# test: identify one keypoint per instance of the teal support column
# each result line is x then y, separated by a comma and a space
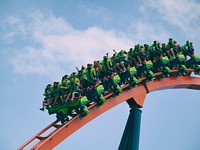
131, 135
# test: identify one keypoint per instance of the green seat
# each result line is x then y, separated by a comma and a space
165, 60
149, 64
181, 58
100, 89
197, 58
83, 101
132, 71
116, 79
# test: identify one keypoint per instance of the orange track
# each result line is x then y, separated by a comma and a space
132, 96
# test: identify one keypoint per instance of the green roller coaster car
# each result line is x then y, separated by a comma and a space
65, 109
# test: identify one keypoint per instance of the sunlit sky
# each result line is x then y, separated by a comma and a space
41, 41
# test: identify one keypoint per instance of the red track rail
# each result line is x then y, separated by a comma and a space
135, 95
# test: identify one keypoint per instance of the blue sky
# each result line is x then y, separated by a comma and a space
43, 40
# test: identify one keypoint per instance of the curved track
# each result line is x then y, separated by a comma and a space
134, 97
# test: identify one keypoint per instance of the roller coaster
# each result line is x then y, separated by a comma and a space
132, 86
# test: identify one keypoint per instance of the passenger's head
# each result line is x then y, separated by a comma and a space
163, 45
105, 57
73, 74
89, 66
82, 67
64, 81
80, 72
72, 79
136, 46
55, 83
100, 67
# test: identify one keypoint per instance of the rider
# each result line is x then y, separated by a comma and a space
170, 51
106, 64
73, 88
188, 49
63, 89
48, 99
131, 57
90, 75
55, 92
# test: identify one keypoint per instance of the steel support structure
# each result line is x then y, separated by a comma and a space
131, 135
135, 97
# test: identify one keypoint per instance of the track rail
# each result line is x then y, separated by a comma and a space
132, 96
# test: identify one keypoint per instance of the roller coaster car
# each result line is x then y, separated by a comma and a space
63, 111
194, 63
162, 65
179, 63
145, 70
129, 77
96, 95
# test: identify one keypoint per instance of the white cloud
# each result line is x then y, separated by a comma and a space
184, 14
61, 47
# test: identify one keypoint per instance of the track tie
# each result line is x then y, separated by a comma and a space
42, 137
58, 125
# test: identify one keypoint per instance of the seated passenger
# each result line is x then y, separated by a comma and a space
136, 58
141, 52
63, 90
170, 51
189, 50
55, 93
147, 51
156, 50
106, 64
103, 74
82, 82
73, 88
47, 100
96, 65
164, 49
122, 61
131, 57
90, 74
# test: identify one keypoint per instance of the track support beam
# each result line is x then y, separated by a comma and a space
131, 135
